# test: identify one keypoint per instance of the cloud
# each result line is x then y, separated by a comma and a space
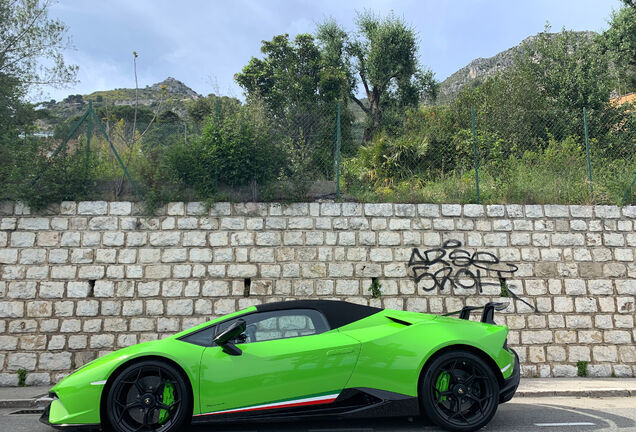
197, 39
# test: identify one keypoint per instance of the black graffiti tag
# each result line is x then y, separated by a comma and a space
450, 256
469, 267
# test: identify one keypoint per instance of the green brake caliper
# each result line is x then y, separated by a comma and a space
443, 380
168, 399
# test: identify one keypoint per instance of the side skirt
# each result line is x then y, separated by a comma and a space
350, 403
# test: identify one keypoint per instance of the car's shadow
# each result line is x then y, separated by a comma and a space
511, 416
376, 424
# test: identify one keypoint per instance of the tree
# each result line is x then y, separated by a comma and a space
300, 86
554, 76
383, 59
541, 97
293, 76
203, 107
114, 113
568, 68
10, 104
32, 45
31, 48
619, 42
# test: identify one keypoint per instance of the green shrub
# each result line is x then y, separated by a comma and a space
238, 150
297, 174
376, 288
29, 174
22, 376
387, 159
243, 148
581, 368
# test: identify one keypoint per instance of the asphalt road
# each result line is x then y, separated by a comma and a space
521, 414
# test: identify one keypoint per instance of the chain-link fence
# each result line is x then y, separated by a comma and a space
250, 152
465, 154
548, 156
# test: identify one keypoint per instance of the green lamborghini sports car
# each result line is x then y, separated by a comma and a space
310, 359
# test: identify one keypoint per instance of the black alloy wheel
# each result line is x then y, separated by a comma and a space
459, 391
148, 396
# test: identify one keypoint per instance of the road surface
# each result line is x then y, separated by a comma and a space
521, 414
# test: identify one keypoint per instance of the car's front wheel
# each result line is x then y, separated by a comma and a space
148, 396
459, 391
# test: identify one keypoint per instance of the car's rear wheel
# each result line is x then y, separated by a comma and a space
459, 391
148, 396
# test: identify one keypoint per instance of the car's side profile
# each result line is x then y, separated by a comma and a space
306, 358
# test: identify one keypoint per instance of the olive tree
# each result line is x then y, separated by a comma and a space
381, 57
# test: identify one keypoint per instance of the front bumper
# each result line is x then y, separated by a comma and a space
507, 391
44, 418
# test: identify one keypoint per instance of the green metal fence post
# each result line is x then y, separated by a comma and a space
587, 150
63, 144
70, 134
338, 142
472, 113
217, 119
89, 127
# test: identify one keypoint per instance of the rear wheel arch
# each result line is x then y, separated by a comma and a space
466, 398
102, 403
461, 347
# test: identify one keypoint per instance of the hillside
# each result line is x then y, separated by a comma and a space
475, 72
175, 97
177, 93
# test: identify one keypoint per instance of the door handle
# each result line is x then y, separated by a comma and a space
340, 351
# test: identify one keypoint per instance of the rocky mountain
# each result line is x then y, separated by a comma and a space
171, 93
476, 72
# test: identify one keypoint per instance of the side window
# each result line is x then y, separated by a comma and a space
265, 326
203, 337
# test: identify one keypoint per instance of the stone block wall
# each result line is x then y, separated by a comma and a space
85, 278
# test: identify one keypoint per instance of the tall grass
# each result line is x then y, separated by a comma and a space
556, 175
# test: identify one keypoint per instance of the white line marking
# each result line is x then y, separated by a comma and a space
98, 382
506, 368
565, 424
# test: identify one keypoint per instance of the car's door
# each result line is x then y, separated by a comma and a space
290, 358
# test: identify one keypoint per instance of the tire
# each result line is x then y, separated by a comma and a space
148, 396
459, 391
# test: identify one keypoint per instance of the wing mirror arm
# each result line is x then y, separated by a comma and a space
231, 349
232, 332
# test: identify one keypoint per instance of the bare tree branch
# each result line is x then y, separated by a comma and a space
360, 104
134, 138
27, 28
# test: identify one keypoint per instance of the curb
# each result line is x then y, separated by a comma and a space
37, 402
21, 403
600, 393
597, 393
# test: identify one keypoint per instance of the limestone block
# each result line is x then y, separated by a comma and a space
242, 270
165, 238
55, 361
92, 208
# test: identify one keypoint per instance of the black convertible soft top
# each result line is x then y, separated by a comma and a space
338, 313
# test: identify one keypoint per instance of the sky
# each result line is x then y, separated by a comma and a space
204, 43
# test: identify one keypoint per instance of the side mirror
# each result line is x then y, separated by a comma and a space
232, 332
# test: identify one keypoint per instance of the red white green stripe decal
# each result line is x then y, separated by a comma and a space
311, 400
